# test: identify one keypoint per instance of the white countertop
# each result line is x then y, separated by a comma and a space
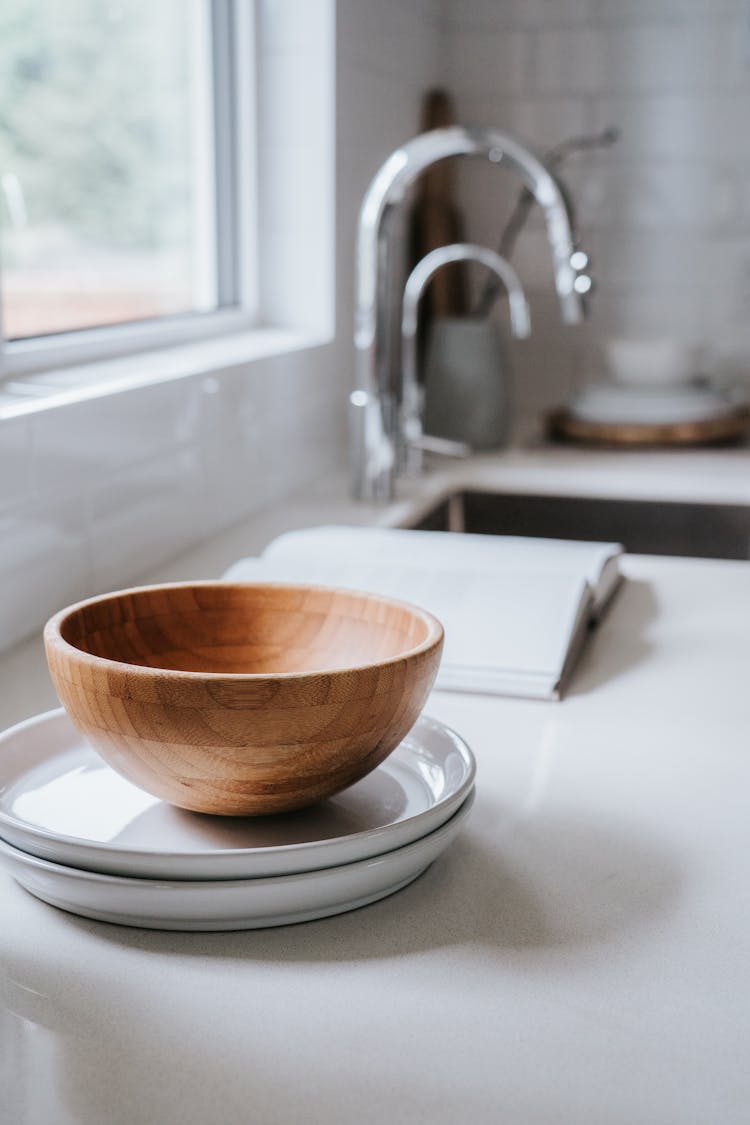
578, 955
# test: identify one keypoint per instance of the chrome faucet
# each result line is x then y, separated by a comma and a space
375, 401
412, 439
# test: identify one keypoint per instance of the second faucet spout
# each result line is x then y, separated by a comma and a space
376, 398
411, 435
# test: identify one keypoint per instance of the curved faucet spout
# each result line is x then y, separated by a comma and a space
375, 401
410, 434
520, 320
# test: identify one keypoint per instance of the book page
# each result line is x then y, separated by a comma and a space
470, 553
500, 631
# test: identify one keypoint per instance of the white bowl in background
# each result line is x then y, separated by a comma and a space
615, 404
642, 360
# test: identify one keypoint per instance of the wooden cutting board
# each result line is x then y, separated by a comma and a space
436, 218
731, 427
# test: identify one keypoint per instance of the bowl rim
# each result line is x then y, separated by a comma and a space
53, 637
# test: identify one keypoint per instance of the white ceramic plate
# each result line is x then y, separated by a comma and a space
609, 403
229, 904
61, 802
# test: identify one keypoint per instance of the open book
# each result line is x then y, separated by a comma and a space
516, 611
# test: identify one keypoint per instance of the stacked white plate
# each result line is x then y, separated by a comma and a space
77, 835
621, 404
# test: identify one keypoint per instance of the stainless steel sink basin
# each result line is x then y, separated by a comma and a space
707, 531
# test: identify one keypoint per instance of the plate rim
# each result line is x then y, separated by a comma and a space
206, 886
278, 852
337, 893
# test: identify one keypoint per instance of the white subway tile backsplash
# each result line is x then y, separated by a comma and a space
647, 11
570, 61
676, 126
649, 311
110, 509
664, 258
732, 52
235, 477
482, 109
656, 57
727, 353
727, 270
741, 185
483, 62
546, 121
489, 15
15, 462
44, 566
378, 115
657, 194
545, 368
76, 444
471, 15
681, 55
145, 515
394, 39
253, 439
564, 12
666, 211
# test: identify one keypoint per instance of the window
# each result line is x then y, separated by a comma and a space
120, 175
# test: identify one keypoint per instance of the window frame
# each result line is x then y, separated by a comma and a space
231, 25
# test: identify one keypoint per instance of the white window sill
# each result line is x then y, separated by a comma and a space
30, 394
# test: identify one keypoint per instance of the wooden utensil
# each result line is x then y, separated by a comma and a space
437, 219
243, 699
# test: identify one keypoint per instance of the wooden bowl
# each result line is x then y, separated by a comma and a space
243, 699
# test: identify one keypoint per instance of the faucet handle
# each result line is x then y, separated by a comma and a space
582, 282
442, 446
412, 450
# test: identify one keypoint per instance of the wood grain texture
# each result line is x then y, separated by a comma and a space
732, 427
436, 218
243, 699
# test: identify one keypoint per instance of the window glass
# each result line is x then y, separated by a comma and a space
106, 163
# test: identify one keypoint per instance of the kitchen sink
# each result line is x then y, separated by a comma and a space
706, 531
